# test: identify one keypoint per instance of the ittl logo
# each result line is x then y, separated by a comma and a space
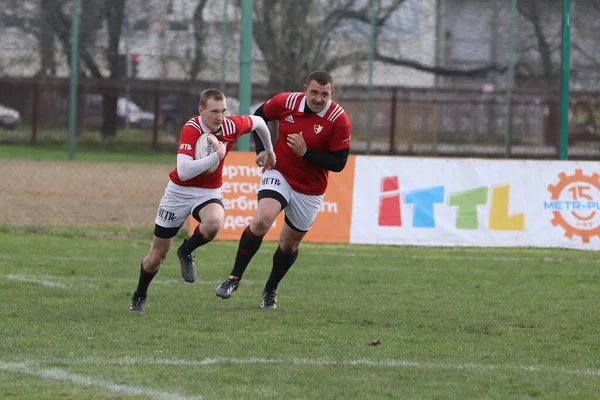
465, 203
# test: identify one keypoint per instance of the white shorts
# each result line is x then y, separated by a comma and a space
178, 202
301, 209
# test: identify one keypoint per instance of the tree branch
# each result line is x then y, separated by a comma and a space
442, 71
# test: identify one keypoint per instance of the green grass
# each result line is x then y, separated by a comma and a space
455, 323
130, 145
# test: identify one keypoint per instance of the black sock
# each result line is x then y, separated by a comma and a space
249, 245
282, 262
193, 242
144, 281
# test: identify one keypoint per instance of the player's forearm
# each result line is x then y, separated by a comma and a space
334, 161
188, 168
258, 144
262, 131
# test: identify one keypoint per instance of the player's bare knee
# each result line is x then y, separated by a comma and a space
288, 246
156, 258
210, 228
260, 226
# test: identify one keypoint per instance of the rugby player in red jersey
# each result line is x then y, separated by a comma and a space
314, 138
192, 191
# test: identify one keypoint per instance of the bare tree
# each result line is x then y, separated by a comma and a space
93, 16
296, 37
199, 39
113, 13
29, 17
46, 39
584, 43
539, 61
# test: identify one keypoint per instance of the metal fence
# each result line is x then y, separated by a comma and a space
406, 121
419, 77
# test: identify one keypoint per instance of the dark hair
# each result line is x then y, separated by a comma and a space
321, 77
210, 94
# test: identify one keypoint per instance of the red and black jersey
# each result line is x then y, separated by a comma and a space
325, 132
231, 129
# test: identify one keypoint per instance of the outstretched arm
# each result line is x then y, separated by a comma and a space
267, 158
258, 144
261, 131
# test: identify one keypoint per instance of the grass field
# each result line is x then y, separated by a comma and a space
453, 323
130, 145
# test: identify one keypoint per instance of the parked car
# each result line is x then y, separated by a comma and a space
9, 117
132, 115
129, 114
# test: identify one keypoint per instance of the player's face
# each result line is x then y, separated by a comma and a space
317, 95
213, 114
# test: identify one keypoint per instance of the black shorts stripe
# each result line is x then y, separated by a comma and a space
165, 233
272, 194
287, 221
196, 211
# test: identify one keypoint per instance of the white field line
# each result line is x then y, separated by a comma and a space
62, 375
63, 258
509, 259
68, 282
39, 281
450, 257
324, 363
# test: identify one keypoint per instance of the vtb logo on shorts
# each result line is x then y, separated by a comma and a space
271, 181
185, 146
166, 215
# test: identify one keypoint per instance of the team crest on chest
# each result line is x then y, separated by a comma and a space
318, 129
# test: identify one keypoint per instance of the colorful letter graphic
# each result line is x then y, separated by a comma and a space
499, 218
423, 200
467, 202
389, 202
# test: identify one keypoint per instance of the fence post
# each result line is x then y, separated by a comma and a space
35, 108
156, 117
393, 123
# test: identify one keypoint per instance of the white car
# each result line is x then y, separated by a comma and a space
133, 115
9, 117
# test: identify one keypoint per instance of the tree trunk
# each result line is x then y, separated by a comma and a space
46, 40
109, 114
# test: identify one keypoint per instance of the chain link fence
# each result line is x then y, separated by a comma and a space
435, 71
417, 77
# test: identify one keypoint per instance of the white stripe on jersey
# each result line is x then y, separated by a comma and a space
337, 111
192, 122
290, 103
228, 127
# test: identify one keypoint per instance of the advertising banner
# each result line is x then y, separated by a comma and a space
476, 202
241, 180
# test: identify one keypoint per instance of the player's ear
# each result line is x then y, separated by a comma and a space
200, 109
305, 88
